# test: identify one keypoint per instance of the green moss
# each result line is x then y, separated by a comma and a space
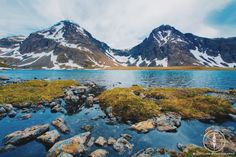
33, 91
127, 105
188, 102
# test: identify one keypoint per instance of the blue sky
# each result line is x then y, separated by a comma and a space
120, 23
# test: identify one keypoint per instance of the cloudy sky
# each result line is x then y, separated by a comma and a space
120, 23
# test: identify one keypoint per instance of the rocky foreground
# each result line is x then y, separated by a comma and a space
142, 109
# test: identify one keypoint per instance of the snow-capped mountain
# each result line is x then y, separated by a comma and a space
167, 46
64, 45
67, 45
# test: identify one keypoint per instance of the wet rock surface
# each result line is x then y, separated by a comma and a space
74, 146
101, 141
168, 122
49, 138
24, 136
99, 153
122, 144
60, 124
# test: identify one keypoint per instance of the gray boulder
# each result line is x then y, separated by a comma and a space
49, 138
26, 135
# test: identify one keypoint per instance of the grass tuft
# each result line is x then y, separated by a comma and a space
33, 91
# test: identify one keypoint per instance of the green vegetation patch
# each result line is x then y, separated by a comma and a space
127, 105
137, 103
33, 91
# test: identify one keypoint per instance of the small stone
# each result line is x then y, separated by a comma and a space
89, 101
121, 144
55, 108
162, 151
180, 146
26, 116
52, 104
99, 153
144, 126
111, 141
126, 136
91, 142
101, 141
60, 124
8, 107
87, 128
4, 78
2, 110
7, 148
12, 114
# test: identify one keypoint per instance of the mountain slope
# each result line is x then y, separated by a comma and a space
64, 45
167, 46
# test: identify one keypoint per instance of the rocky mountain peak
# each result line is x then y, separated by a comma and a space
166, 34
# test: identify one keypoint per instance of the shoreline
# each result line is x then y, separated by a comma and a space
195, 68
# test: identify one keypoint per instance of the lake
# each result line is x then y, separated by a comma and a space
190, 131
167, 78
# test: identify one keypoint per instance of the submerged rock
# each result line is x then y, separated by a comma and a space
21, 137
122, 144
26, 116
87, 128
74, 146
144, 126
7, 148
60, 124
99, 153
126, 136
49, 138
101, 141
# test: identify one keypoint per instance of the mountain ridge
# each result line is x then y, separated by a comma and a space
66, 45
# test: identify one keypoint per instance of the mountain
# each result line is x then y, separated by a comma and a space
167, 46
67, 45
64, 45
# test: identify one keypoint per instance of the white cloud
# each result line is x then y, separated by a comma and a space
120, 23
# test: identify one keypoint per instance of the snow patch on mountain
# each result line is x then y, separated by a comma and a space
163, 62
211, 61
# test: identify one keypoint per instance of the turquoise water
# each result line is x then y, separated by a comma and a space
189, 131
